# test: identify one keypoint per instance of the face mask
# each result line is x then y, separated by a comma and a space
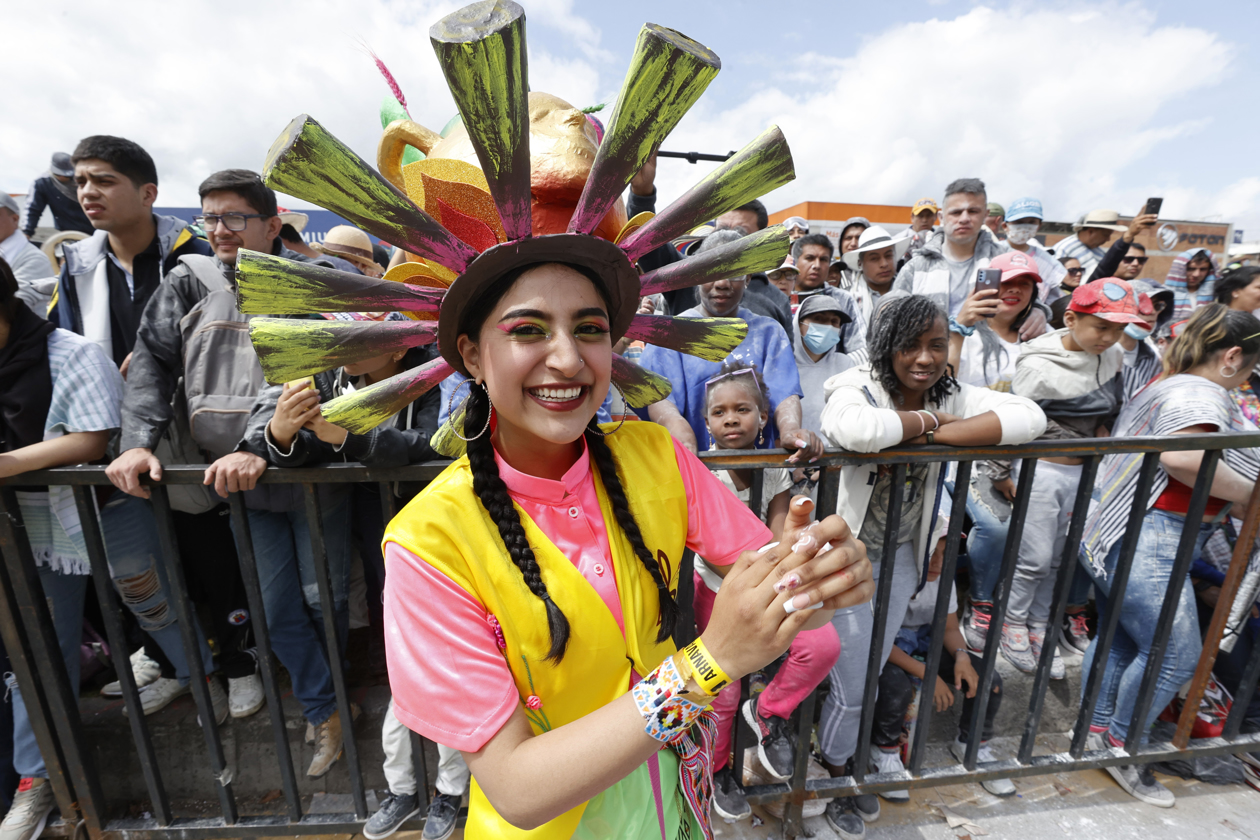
820, 338
1020, 234
1136, 332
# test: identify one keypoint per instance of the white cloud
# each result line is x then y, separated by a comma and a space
209, 86
1052, 103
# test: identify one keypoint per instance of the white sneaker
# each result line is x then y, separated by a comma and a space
1037, 638
889, 761
218, 701
997, 787
32, 803
143, 669
158, 694
245, 695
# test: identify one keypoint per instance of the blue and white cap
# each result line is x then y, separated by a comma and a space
1024, 208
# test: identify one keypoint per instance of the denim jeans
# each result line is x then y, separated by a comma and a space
986, 539
65, 601
295, 619
131, 545
1139, 615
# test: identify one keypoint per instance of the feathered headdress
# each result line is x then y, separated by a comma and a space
470, 226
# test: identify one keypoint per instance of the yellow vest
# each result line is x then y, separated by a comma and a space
448, 528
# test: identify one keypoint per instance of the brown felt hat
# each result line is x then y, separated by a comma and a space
604, 259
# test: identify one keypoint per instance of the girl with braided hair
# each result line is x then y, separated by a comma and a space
530, 601
904, 395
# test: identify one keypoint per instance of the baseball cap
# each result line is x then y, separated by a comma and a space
8, 202
1105, 219
1111, 299
815, 304
996, 209
1025, 208
61, 165
1015, 264
924, 205
796, 222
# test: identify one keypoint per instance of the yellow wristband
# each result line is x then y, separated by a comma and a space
704, 668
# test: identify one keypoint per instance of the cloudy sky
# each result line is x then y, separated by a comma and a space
1083, 104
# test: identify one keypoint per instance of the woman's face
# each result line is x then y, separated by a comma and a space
733, 415
923, 364
545, 356
1014, 296
1247, 299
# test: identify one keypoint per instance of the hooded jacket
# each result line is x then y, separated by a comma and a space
814, 375
62, 199
1186, 301
80, 302
1076, 390
927, 272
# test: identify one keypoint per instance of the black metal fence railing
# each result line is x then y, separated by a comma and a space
27, 631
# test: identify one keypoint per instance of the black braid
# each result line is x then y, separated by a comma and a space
494, 497
603, 456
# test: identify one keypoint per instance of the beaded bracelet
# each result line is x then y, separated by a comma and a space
658, 696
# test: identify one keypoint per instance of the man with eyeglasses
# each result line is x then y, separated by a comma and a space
1126, 257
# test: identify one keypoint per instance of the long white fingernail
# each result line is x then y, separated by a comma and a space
790, 607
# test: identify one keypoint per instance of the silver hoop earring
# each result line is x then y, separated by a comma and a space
1233, 372
451, 415
594, 427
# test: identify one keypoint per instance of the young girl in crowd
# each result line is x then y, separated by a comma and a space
983, 346
737, 408
905, 394
957, 672
530, 594
1214, 354
60, 400
298, 435
1074, 374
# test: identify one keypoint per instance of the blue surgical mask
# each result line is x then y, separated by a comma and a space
1136, 332
820, 338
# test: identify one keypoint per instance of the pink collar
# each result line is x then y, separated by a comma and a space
544, 490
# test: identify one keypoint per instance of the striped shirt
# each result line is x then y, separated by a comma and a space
1078, 250
1162, 408
87, 392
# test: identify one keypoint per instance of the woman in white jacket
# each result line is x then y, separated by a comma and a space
906, 394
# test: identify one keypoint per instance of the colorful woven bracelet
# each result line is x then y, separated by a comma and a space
704, 667
668, 715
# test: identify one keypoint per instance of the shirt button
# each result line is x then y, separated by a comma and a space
599, 569
574, 513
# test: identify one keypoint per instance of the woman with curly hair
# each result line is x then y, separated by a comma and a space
904, 395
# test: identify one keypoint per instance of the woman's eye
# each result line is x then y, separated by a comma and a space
592, 329
527, 330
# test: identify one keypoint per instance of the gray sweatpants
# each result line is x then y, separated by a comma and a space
842, 710
1041, 549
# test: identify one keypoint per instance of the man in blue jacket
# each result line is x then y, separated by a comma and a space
55, 190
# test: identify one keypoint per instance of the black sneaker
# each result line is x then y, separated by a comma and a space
841, 815
775, 746
439, 823
865, 805
394, 811
728, 797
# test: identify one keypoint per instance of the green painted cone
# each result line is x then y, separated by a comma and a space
269, 285
289, 348
758, 168
667, 74
761, 251
309, 163
640, 386
363, 410
481, 49
445, 441
711, 339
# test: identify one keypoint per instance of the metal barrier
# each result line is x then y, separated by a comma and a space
27, 631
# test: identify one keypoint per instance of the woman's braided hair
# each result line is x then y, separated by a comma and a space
896, 328
493, 494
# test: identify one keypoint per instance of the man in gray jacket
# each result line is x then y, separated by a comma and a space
239, 211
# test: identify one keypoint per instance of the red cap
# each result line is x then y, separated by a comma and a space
1016, 264
1111, 299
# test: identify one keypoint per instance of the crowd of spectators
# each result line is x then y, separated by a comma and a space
132, 356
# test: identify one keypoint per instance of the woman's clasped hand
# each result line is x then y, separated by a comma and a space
766, 596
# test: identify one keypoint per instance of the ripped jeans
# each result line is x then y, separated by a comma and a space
131, 546
295, 619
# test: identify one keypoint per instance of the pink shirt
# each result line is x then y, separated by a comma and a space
449, 678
